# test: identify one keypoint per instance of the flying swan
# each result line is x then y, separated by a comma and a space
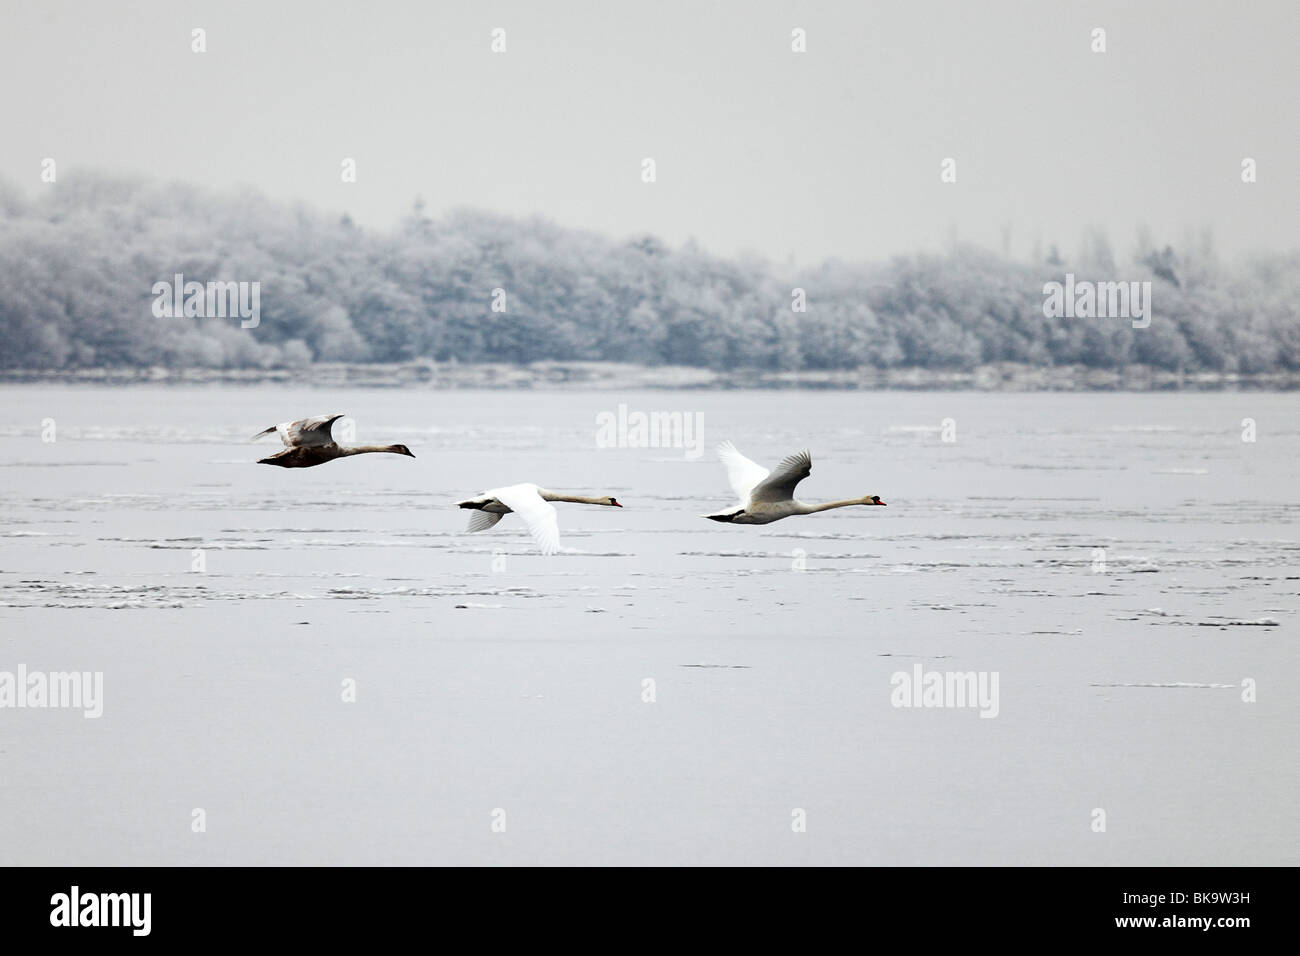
531, 503
308, 442
767, 496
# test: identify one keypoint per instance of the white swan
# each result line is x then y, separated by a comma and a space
531, 503
767, 496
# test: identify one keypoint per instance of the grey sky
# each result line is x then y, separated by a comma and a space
834, 152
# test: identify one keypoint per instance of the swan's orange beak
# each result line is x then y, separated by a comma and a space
875, 500
615, 503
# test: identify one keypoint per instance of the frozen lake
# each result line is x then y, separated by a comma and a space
1122, 562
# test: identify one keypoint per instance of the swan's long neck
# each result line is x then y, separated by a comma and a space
827, 506
576, 499
372, 449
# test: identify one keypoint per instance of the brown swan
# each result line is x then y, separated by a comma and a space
309, 442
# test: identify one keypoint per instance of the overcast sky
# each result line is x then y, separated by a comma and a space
832, 152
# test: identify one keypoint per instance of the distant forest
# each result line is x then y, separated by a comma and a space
78, 265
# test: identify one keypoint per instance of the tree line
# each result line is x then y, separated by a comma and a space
77, 268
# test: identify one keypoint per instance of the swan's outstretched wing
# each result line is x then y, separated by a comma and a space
780, 484
743, 474
538, 514
304, 433
482, 520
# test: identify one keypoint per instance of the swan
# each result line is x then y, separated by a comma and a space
308, 442
767, 496
531, 503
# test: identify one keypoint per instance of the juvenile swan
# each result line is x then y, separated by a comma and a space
531, 503
308, 442
767, 496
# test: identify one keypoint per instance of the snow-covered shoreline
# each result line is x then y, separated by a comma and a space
1008, 377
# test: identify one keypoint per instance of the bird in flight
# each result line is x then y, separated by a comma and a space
309, 442
531, 503
767, 496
